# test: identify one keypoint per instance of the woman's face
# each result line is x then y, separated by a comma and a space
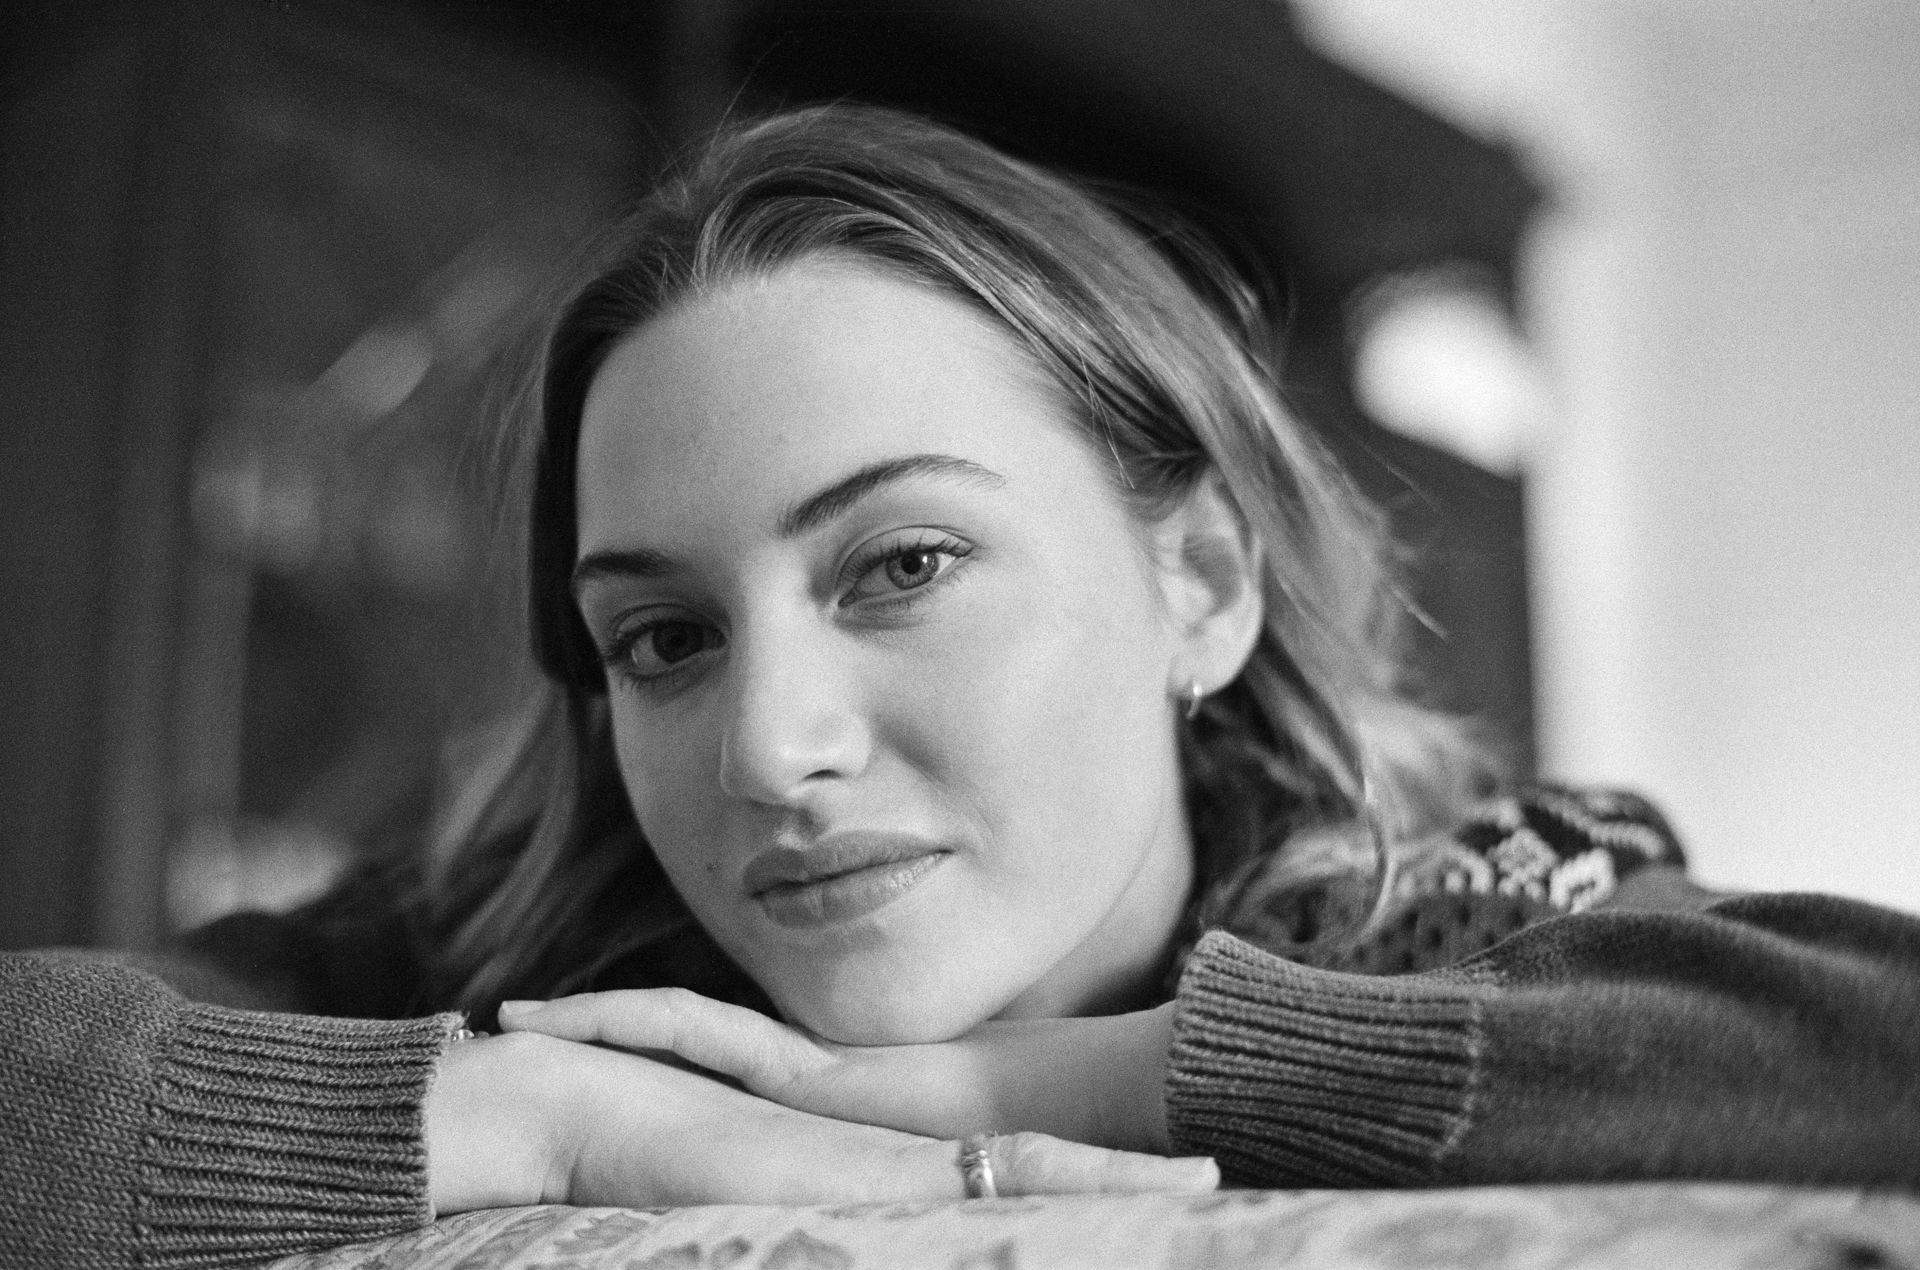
889, 662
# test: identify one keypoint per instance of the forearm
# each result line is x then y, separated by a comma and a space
1768, 1038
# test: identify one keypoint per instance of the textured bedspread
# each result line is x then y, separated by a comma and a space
1698, 1227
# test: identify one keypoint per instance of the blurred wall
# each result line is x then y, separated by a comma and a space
1725, 507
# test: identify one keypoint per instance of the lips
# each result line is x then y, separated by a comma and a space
841, 877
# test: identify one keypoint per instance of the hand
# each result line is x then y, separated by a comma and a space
1095, 1080
525, 1119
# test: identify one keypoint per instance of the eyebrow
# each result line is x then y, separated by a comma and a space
808, 514
838, 498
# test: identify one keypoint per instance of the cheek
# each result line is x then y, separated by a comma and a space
674, 792
1051, 723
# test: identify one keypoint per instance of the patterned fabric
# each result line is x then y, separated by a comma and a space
1591, 1226
1539, 852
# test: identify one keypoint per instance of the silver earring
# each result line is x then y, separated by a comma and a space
1194, 695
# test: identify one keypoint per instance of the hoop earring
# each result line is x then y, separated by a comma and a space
1193, 696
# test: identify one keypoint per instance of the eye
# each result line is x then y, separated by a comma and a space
901, 563
651, 649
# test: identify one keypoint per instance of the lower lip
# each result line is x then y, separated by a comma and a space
846, 896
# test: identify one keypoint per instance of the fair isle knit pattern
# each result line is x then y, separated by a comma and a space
1539, 852
1545, 996
1351, 1080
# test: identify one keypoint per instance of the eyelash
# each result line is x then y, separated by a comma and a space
899, 546
618, 653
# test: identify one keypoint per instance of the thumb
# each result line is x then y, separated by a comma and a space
762, 1054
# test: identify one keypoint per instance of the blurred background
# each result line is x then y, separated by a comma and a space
1608, 302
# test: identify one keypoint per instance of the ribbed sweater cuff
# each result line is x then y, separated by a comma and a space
1291, 1076
269, 1134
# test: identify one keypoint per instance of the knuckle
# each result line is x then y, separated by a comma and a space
1120, 1167
679, 1011
679, 1005
1021, 1153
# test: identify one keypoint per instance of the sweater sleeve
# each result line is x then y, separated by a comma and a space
138, 1128
1767, 1038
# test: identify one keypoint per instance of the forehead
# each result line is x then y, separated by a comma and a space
768, 387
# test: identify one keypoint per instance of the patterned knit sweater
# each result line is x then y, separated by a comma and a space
1545, 997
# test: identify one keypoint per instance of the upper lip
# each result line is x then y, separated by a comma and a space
832, 856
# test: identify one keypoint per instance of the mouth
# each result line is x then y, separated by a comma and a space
841, 878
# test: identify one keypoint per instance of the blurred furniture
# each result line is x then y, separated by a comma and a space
1627, 1227
263, 270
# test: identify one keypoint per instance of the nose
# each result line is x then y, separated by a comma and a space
794, 722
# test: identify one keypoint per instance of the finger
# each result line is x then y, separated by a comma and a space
761, 1053
1024, 1164
1037, 1164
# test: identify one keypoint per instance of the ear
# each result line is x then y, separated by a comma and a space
1211, 583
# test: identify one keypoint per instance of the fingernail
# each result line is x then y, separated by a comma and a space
519, 1009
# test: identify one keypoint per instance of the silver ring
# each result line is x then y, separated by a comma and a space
976, 1166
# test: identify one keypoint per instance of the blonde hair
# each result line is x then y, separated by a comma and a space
1164, 353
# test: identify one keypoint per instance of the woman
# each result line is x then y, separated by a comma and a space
946, 625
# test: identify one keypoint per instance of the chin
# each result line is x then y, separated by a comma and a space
884, 1008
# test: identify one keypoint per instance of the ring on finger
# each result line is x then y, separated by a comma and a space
976, 1166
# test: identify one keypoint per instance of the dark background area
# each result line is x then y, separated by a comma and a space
258, 266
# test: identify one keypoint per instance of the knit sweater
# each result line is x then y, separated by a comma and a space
139, 1128
1546, 998
1550, 998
